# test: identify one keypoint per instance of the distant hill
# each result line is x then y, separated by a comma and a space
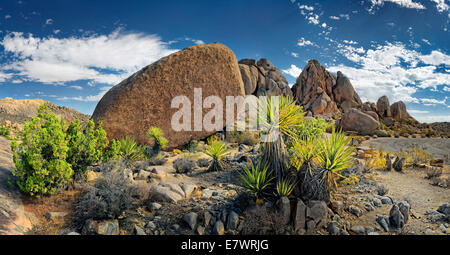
17, 111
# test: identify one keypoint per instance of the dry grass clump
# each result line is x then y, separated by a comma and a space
263, 221
246, 137
415, 155
433, 172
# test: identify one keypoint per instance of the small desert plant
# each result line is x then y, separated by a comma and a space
246, 137
377, 161
40, 157
335, 156
157, 136
107, 199
433, 172
131, 150
5, 131
312, 128
285, 187
158, 160
113, 151
217, 150
191, 146
305, 151
86, 145
257, 179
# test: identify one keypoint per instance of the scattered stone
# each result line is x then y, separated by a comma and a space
183, 165
318, 212
165, 193
435, 216
398, 216
445, 209
150, 225
382, 190
368, 207
388, 163
344, 233
200, 230
386, 200
398, 164
300, 215
233, 220
106, 227
333, 228
191, 219
52, 216
218, 229
337, 206
355, 211
207, 218
188, 189
360, 230
443, 228
73, 233
139, 231
154, 206
384, 222
284, 207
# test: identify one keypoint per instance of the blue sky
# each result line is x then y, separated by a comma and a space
71, 52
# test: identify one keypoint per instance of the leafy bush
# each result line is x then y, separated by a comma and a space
256, 180
217, 150
285, 187
86, 145
5, 131
335, 156
312, 128
113, 152
40, 157
157, 136
131, 150
191, 146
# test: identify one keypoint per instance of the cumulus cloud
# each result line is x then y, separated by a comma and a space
392, 70
433, 118
91, 98
441, 6
294, 54
97, 58
4, 76
303, 42
402, 3
48, 22
293, 71
413, 111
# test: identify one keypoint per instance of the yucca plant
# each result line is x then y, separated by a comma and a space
157, 136
279, 117
285, 187
217, 150
130, 149
305, 152
256, 179
334, 157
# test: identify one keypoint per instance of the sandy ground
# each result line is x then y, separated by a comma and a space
438, 147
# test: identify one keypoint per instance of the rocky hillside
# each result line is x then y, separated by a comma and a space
16, 112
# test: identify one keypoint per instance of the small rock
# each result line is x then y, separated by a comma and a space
154, 206
150, 225
333, 228
219, 228
360, 230
443, 228
337, 206
344, 233
368, 207
373, 233
233, 220
139, 231
207, 218
200, 230
73, 234
383, 222
52, 216
355, 211
284, 207
191, 219
386, 200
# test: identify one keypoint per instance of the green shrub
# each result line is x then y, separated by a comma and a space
191, 146
217, 150
113, 151
5, 131
312, 128
86, 145
257, 179
285, 187
40, 158
131, 150
157, 136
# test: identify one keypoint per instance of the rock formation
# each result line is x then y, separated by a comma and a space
144, 99
355, 120
399, 112
263, 77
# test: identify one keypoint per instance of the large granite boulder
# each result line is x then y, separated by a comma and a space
355, 120
263, 78
314, 81
144, 99
383, 107
345, 94
398, 110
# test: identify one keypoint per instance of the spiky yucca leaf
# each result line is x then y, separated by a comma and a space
285, 187
257, 179
335, 156
157, 135
217, 151
130, 149
305, 151
279, 118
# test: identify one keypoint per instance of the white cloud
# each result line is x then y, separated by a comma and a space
303, 42
48, 22
392, 70
8, 16
314, 19
293, 71
92, 98
294, 54
402, 3
426, 41
306, 7
412, 111
97, 58
335, 17
56, 31
344, 16
433, 118
4, 76
434, 101
77, 87
441, 6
